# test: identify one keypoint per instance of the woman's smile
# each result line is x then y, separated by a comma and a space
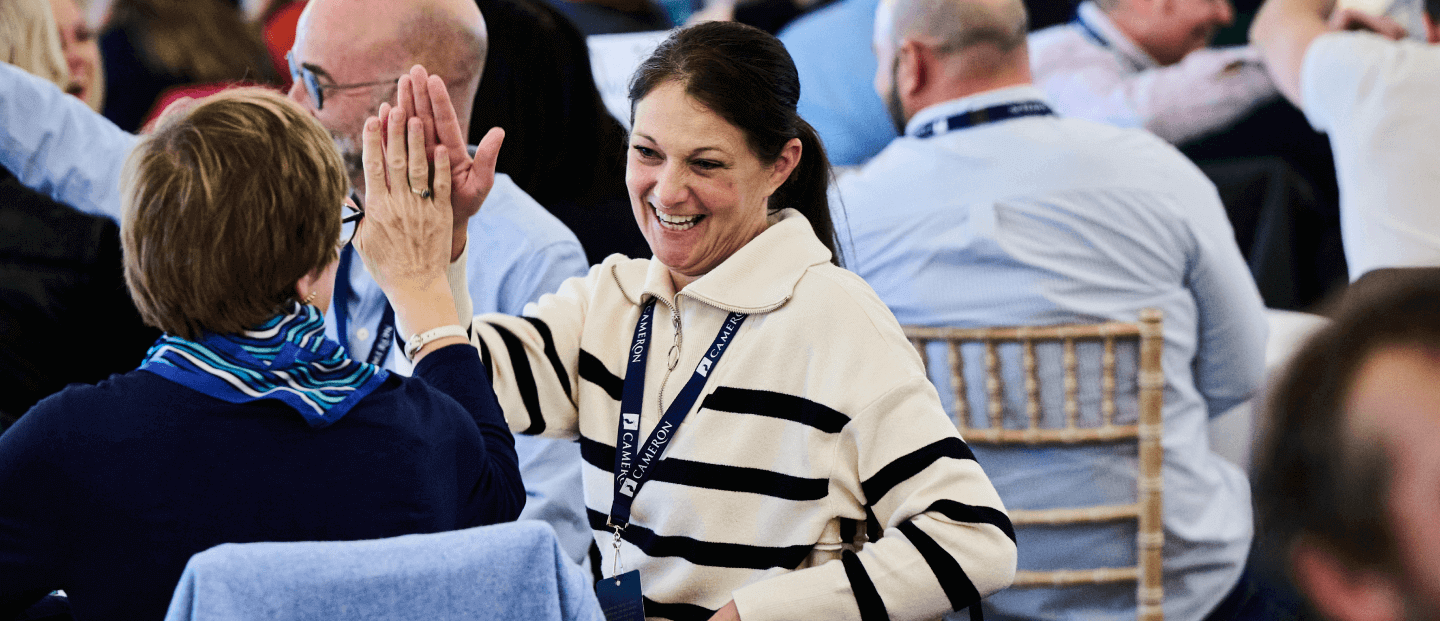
675, 222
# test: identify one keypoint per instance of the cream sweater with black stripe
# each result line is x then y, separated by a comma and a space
817, 426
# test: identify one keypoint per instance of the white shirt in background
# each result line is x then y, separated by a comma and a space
1046, 220
1090, 70
1377, 99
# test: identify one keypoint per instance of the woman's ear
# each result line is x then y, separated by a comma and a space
317, 286
785, 164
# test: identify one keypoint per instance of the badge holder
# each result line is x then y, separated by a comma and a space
619, 595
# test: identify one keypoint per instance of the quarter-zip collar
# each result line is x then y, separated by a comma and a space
760, 277
1114, 39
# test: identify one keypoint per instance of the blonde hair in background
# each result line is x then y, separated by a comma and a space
226, 206
30, 40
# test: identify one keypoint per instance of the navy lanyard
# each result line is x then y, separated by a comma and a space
1101, 41
993, 114
384, 333
634, 464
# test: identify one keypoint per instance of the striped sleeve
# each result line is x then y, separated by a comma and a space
946, 541
535, 361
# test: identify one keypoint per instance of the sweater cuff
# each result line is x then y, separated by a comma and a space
459, 282
820, 592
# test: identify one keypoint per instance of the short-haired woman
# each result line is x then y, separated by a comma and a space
244, 424
762, 441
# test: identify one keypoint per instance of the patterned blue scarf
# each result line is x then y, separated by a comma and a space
286, 358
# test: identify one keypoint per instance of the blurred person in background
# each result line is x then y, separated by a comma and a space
562, 146
990, 210
1149, 64
60, 279
1373, 91
150, 46
30, 40
1346, 473
832, 50
1144, 63
82, 51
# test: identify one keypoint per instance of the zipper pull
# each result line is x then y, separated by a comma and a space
674, 355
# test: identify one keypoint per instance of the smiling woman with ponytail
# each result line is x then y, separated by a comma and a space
761, 440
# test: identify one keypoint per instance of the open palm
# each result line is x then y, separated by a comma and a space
424, 96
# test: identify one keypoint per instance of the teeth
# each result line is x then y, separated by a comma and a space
676, 223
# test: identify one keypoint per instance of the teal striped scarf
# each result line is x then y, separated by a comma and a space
287, 358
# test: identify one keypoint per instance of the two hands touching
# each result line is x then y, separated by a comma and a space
414, 228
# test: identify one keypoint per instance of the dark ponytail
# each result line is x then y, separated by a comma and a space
746, 76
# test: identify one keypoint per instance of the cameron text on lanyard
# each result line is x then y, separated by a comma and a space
634, 463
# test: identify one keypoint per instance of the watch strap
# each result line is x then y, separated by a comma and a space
418, 341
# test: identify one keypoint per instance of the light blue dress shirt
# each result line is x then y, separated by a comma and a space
832, 51
518, 251
1043, 220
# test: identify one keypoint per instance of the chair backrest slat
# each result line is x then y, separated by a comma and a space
1032, 383
994, 388
1147, 431
957, 385
1072, 385
1107, 383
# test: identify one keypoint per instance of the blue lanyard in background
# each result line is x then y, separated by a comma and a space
634, 464
384, 333
975, 118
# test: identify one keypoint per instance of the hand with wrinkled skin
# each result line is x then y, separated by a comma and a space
404, 239
424, 97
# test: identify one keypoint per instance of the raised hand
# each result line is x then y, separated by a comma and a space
424, 97
405, 238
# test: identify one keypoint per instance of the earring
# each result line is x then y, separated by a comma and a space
309, 298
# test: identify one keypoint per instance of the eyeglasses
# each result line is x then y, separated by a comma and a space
301, 74
349, 221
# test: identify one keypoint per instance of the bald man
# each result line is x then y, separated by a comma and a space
992, 210
519, 252
1144, 63
347, 57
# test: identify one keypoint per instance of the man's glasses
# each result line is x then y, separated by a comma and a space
350, 216
301, 74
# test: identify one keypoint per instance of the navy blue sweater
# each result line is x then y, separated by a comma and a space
107, 490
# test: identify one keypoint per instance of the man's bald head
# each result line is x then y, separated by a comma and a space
957, 25
930, 51
360, 41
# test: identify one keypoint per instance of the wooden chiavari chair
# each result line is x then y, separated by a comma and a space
1146, 573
